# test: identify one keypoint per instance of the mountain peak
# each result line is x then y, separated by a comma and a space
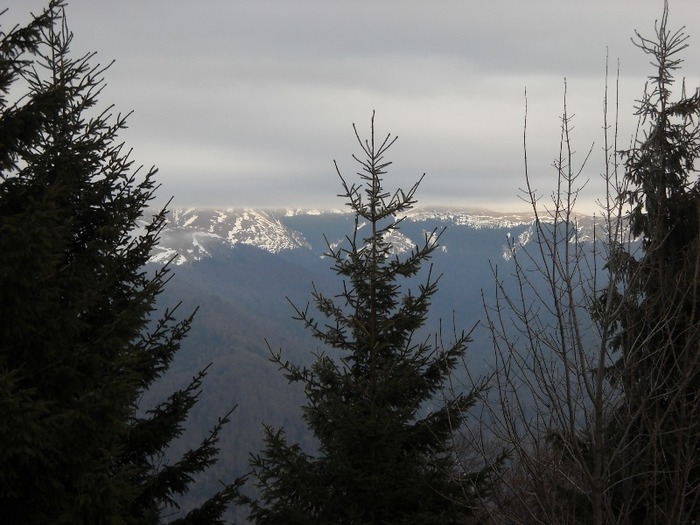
196, 233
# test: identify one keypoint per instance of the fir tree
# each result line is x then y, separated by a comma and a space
79, 340
658, 331
384, 433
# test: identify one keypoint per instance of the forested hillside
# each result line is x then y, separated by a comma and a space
241, 291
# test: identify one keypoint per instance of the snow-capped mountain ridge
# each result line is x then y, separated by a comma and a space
196, 233
475, 218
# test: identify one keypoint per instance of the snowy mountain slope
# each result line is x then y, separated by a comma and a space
194, 234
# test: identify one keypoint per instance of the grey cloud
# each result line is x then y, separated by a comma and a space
252, 100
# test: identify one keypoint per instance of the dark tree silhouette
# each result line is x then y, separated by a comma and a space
373, 400
79, 338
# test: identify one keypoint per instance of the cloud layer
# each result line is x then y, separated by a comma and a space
247, 103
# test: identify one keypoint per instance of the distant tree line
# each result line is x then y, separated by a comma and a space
591, 415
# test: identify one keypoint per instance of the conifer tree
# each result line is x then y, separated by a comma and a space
658, 332
80, 340
373, 397
597, 387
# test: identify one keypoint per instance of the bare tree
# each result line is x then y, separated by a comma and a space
595, 329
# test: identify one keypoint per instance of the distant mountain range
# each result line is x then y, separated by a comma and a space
243, 267
196, 233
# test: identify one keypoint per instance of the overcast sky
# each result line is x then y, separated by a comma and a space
247, 103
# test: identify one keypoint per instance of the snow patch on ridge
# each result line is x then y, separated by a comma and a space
196, 233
